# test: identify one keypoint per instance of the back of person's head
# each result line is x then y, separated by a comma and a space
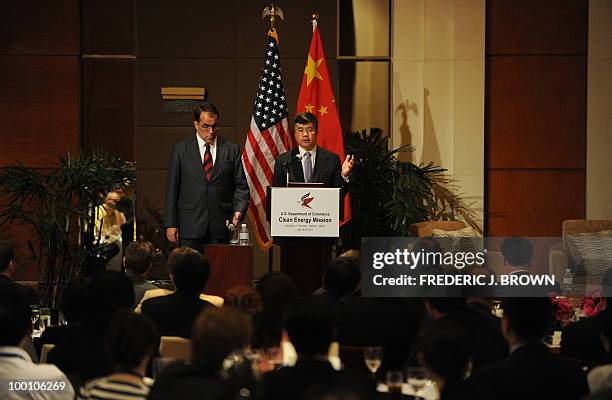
107, 292
71, 300
191, 272
431, 250
527, 317
277, 290
517, 251
139, 256
15, 314
176, 255
310, 323
341, 276
130, 339
244, 298
7, 254
216, 333
443, 350
446, 305
344, 385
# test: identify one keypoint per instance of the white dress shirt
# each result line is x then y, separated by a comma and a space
313, 156
202, 147
17, 366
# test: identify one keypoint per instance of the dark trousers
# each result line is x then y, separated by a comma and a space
199, 243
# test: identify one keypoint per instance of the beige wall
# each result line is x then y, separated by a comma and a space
438, 87
599, 111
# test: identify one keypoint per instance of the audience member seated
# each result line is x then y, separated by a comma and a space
581, 340
341, 278
81, 353
531, 371
138, 259
71, 308
15, 363
174, 256
485, 343
517, 253
277, 291
175, 313
216, 333
245, 299
131, 340
388, 322
7, 267
445, 354
600, 377
310, 326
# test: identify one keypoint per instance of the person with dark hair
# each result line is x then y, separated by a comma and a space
71, 308
244, 298
340, 278
217, 332
15, 363
581, 339
7, 267
207, 187
482, 334
138, 259
311, 326
517, 253
309, 162
81, 353
277, 291
131, 341
174, 314
531, 371
445, 354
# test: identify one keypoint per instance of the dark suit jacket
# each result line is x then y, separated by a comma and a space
327, 169
532, 372
187, 382
192, 204
175, 313
581, 340
29, 293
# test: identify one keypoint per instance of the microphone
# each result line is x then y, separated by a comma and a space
297, 157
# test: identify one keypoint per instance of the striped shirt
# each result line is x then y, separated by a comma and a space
115, 388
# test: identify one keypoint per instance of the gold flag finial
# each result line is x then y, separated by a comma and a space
272, 12
314, 19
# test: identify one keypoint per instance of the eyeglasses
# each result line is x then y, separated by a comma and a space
307, 130
207, 127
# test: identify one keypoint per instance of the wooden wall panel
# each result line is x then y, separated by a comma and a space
533, 203
536, 26
108, 27
536, 111
39, 103
40, 27
108, 106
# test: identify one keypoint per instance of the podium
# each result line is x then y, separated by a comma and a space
230, 265
304, 222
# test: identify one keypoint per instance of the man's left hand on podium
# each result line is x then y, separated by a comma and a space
236, 218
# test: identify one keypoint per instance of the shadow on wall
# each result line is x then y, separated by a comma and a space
431, 150
405, 132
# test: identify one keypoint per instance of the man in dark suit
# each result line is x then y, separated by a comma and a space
206, 185
175, 313
309, 162
531, 371
7, 266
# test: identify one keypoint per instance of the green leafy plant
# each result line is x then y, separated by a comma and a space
387, 195
61, 204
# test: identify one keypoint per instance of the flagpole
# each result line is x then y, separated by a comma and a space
314, 18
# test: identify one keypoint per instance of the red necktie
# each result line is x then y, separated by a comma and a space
208, 163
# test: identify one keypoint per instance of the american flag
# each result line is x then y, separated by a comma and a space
268, 137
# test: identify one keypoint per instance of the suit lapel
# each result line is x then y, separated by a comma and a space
193, 152
296, 166
319, 164
221, 150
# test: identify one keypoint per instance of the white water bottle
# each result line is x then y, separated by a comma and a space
568, 280
244, 235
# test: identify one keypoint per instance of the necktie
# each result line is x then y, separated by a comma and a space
307, 167
208, 163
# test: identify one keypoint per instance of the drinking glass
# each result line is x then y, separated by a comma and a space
373, 359
45, 318
395, 380
417, 379
35, 313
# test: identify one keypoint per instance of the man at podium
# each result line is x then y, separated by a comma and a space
309, 163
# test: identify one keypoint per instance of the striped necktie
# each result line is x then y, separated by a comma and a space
307, 167
208, 163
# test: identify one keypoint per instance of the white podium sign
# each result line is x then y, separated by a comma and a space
305, 211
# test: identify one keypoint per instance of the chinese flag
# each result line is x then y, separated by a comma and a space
317, 97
